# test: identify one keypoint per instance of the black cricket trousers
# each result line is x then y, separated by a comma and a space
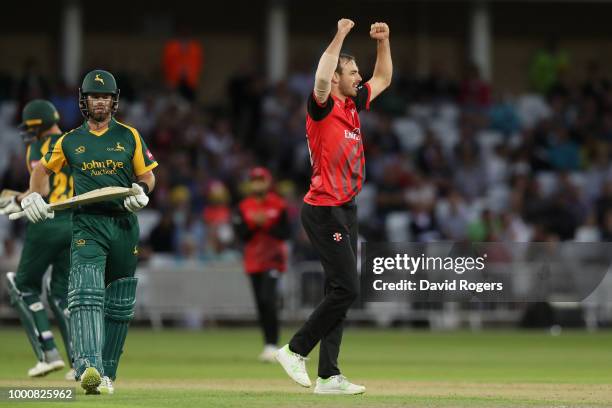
265, 290
333, 233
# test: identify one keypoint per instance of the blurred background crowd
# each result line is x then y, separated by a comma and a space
447, 158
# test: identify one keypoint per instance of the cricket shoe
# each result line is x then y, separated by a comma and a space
268, 354
70, 375
106, 386
43, 368
90, 380
294, 365
337, 384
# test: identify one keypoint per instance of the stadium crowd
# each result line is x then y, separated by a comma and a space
446, 159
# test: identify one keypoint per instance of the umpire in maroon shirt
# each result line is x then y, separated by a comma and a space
329, 213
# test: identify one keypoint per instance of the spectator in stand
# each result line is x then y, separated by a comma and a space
474, 92
66, 102
547, 66
563, 153
217, 216
183, 61
163, 235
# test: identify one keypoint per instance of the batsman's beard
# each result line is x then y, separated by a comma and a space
100, 116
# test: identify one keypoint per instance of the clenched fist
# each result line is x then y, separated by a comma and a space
345, 25
379, 31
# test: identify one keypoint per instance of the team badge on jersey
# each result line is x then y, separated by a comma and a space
79, 150
337, 236
117, 148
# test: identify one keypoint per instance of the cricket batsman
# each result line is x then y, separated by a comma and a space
329, 213
102, 152
46, 244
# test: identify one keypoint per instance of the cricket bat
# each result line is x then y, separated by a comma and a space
93, 196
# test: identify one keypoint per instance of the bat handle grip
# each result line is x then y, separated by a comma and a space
16, 215
134, 191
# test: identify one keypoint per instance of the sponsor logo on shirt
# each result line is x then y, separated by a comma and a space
100, 168
337, 236
150, 155
355, 134
117, 148
79, 150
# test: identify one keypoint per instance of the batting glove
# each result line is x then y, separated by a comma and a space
35, 208
9, 206
136, 202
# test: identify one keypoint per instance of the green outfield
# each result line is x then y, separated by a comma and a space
217, 368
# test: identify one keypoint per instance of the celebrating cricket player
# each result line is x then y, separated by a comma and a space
46, 243
102, 288
329, 213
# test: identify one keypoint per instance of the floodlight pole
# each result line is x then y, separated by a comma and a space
481, 38
277, 39
72, 41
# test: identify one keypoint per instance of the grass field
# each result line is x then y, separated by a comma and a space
217, 368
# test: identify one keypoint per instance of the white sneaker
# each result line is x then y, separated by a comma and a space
294, 365
268, 354
43, 368
106, 386
337, 384
70, 375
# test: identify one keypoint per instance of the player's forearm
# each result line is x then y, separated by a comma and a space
324, 74
329, 61
149, 179
383, 69
326, 68
39, 181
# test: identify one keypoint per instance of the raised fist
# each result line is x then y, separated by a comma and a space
345, 25
379, 31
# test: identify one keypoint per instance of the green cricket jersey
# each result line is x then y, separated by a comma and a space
60, 183
109, 158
